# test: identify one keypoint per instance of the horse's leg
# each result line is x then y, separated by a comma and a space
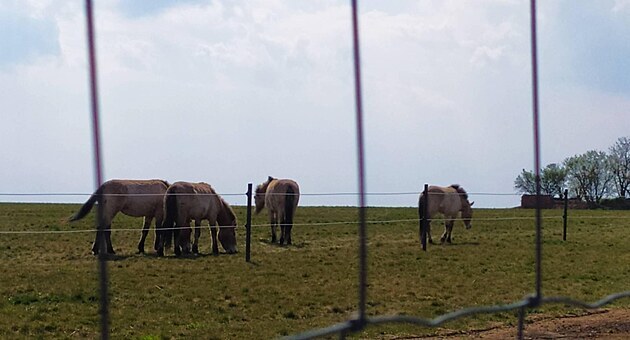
429, 232
288, 233
108, 239
450, 230
145, 232
158, 234
443, 238
273, 221
176, 248
215, 242
282, 232
195, 246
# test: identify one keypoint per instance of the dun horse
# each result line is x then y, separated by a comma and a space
281, 197
448, 201
185, 202
134, 198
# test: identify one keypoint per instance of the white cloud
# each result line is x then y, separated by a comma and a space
621, 6
232, 92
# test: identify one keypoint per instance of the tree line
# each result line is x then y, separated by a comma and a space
591, 176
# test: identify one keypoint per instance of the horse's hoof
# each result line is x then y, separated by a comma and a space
160, 253
195, 250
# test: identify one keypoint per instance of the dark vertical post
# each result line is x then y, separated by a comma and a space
424, 222
521, 322
102, 248
248, 225
564, 215
361, 321
536, 125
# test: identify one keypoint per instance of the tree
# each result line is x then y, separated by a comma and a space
552, 179
619, 163
525, 182
589, 176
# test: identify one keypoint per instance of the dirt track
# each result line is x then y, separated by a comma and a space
600, 324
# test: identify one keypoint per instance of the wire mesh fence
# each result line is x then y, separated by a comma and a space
362, 320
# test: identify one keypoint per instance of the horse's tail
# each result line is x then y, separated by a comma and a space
87, 206
170, 216
289, 204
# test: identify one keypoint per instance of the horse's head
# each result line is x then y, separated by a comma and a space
227, 227
183, 240
259, 197
467, 213
227, 237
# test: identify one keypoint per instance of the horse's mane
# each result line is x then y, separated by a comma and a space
262, 188
460, 190
229, 209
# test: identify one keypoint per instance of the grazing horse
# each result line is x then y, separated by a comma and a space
134, 198
449, 201
185, 202
281, 197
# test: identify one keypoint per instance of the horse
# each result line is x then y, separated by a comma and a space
185, 202
136, 198
281, 197
448, 201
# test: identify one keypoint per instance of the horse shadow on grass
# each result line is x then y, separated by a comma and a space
297, 245
460, 244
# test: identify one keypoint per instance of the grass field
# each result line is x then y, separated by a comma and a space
49, 282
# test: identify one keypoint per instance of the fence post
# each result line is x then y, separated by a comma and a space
564, 215
423, 220
248, 224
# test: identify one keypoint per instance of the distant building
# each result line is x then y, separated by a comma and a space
549, 202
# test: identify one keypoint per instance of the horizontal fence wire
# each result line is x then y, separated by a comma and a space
53, 194
315, 224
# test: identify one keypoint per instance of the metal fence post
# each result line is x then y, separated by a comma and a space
248, 224
564, 215
424, 222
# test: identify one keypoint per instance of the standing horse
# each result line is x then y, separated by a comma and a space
185, 202
281, 197
448, 201
134, 198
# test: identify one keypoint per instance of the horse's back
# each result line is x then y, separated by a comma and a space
444, 200
195, 200
134, 197
279, 190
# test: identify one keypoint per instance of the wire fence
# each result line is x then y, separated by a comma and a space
361, 320
349, 326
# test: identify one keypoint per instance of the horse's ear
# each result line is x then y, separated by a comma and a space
471, 203
270, 179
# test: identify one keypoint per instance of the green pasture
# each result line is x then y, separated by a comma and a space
49, 281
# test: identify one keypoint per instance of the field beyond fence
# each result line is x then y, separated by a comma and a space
49, 281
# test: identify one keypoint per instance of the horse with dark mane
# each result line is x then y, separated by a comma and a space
281, 197
448, 201
136, 198
185, 202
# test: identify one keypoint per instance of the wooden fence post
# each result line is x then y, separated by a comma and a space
248, 224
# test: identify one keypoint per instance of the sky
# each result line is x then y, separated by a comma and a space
230, 92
